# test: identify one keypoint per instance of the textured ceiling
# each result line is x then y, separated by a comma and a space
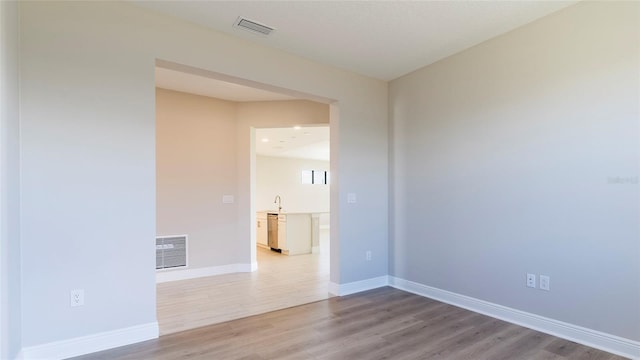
380, 39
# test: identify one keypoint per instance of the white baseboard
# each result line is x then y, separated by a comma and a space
185, 274
90, 343
596, 339
358, 286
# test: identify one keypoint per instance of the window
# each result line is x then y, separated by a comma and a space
315, 177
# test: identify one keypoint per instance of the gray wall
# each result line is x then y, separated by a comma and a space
88, 154
521, 155
10, 327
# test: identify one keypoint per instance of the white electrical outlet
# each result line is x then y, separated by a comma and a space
545, 282
367, 255
531, 280
352, 198
77, 297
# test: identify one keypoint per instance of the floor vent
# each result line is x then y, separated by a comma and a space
171, 251
254, 27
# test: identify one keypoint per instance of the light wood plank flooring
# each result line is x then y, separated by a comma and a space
280, 282
380, 324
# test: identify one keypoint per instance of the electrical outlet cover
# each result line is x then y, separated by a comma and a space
531, 280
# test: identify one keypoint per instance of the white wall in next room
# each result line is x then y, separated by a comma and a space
282, 176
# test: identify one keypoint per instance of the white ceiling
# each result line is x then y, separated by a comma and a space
302, 143
380, 39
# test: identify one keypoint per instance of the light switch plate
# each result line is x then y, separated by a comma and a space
227, 199
351, 198
545, 282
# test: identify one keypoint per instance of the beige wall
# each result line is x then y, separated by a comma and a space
195, 167
197, 163
267, 114
506, 160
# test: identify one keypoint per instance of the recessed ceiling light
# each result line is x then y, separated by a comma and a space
265, 140
297, 127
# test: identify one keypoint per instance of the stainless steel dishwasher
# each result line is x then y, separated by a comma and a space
272, 229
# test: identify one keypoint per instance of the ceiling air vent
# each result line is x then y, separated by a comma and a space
254, 27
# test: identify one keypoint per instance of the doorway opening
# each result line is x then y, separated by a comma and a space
206, 167
292, 180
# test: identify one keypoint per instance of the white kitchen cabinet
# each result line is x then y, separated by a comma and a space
282, 233
294, 233
262, 236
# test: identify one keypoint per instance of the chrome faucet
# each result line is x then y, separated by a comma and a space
278, 200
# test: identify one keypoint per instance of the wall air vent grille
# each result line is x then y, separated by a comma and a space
254, 27
171, 252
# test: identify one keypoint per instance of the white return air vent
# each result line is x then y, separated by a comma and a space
171, 251
254, 27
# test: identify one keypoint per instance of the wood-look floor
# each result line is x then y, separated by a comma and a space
280, 282
379, 324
